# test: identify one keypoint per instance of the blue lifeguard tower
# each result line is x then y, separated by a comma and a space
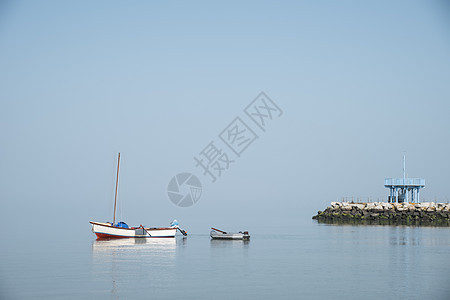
404, 189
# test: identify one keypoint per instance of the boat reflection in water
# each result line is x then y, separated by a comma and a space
148, 251
133, 244
229, 243
125, 266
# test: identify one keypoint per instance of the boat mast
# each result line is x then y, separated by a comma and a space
117, 183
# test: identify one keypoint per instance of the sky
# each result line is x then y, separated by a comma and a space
358, 84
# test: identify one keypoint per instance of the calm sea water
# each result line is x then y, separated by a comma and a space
313, 261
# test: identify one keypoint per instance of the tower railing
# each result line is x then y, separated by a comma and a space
407, 181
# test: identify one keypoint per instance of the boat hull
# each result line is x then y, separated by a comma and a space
229, 236
107, 231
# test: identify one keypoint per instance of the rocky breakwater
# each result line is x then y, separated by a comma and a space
427, 213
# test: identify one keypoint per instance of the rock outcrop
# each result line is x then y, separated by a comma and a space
428, 213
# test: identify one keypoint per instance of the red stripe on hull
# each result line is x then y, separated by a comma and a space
109, 236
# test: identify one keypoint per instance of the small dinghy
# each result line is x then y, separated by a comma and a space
223, 235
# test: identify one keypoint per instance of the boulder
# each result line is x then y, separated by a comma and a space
346, 206
335, 204
359, 206
370, 205
407, 205
396, 205
424, 205
387, 206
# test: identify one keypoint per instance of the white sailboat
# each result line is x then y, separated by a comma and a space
121, 230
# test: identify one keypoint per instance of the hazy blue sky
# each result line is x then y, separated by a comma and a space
359, 82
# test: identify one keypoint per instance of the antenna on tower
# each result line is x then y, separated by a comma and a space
404, 168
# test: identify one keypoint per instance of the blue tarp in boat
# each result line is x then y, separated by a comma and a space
121, 225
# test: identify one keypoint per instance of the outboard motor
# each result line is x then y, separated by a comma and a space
175, 224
